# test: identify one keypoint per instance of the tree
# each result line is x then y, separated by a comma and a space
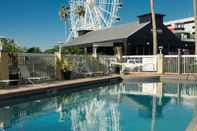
71, 50
34, 50
11, 47
154, 27
64, 15
64, 12
52, 50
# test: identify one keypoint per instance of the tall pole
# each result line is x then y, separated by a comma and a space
154, 27
1, 48
195, 15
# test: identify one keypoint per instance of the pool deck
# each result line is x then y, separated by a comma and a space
25, 90
141, 75
190, 77
185, 77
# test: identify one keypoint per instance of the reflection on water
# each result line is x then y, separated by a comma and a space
125, 106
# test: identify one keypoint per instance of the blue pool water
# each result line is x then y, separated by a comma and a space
126, 106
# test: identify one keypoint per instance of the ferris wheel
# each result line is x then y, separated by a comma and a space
86, 15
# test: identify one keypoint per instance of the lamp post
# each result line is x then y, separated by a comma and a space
60, 49
60, 44
59, 53
1, 46
195, 15
1, 49
154, 27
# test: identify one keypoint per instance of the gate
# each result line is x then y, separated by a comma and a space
140, 63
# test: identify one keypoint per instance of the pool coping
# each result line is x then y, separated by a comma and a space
167, 76
53, 87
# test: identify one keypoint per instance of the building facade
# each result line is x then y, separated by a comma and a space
135, 38
184, 29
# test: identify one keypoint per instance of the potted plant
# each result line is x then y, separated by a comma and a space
65, 68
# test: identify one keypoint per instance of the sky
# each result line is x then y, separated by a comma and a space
36, 22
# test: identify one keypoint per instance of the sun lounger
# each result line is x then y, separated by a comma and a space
6, 83
93, 73
27, 78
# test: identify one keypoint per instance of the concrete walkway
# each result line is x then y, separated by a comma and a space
172, 76
141, 75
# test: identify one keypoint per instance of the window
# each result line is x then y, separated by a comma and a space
179, 26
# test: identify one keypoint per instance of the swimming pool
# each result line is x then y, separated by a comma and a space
126, 106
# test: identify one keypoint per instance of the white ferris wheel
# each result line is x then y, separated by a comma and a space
85, 15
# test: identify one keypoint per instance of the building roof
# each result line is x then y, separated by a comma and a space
114, 33
184, 20
149, 14
3, 37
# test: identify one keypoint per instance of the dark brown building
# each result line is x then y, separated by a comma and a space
134, 38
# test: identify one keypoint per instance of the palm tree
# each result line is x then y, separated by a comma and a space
64, 15
80, 11
64, 12
195, 13
154, 27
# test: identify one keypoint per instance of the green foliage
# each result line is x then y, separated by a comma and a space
11, 47
34, 50
64, 12
64, 64
52, 50
73, 50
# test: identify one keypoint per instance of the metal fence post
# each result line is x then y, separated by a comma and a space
55, 66
179, 62
160, 63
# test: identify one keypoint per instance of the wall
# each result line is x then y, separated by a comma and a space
4, 72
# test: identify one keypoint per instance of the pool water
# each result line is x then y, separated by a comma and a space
126, 106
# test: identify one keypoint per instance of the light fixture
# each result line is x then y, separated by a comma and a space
160, 49
179, 51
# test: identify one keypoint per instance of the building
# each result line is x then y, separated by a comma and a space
4, 39
134, 38
184, 29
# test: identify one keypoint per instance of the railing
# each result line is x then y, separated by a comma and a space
33, 65
44, 65
189, 64
186, 63
87, 64
171, 63
140, 63
108, 61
